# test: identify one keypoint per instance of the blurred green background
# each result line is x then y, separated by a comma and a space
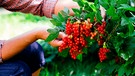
12, 24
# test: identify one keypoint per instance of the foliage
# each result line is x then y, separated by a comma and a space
120, 21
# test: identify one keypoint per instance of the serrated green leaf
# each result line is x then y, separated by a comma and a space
127, 7
64, 14
79, 57
61, 18
55, 17
53, 35
55, 22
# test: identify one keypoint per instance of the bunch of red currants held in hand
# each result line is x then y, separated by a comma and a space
78, 31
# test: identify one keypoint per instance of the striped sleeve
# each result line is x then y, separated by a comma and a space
36, 7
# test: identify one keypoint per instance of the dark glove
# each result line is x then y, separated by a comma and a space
33, 55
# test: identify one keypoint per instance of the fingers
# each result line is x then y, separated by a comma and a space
103, 14
62, 35
55, 43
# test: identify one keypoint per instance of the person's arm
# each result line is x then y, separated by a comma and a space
61, 4
15, 45
38, 7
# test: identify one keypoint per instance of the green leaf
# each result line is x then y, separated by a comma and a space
125, 56
104, 3
81, 3
101, 65
133, 70
91, 15
117, 43
53, 34
65, 13
112, 62
112, 68
61, 18
52, 31
55, 22
122, 2
85, 50
113, 2
64, 53
75, 10
127, 7
128, 71
123, 21
121, 70
98, 16
55, 17
130, 61
130, 47
79, 57
93, 7
130, 25
112, 12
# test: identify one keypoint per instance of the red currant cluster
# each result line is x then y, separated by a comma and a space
102, 54
76, 34
101, 31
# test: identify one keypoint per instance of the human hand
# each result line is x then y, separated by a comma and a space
57, 42
61, 4
103, 14
42, 33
